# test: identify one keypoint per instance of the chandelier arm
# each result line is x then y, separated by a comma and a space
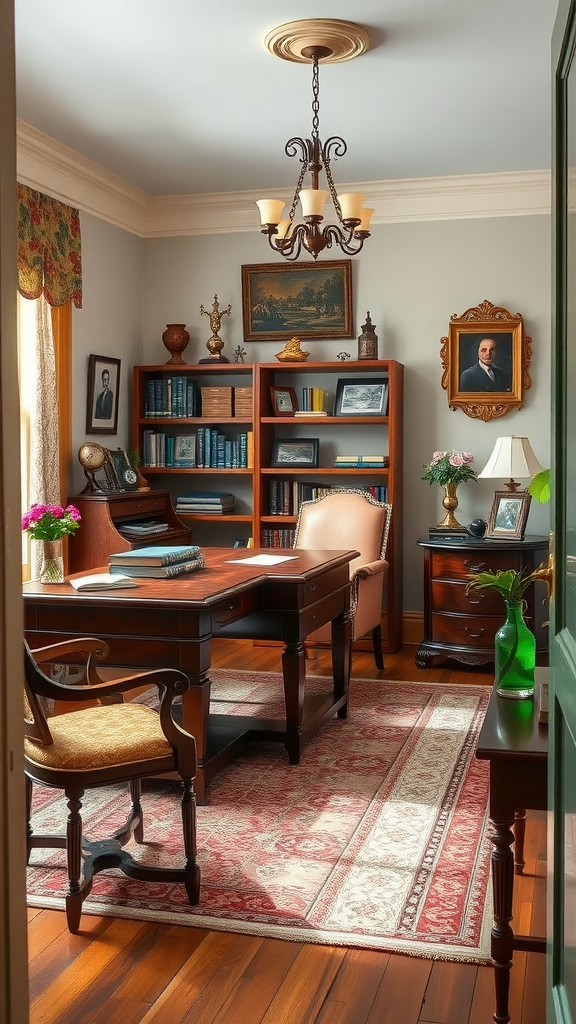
349, 242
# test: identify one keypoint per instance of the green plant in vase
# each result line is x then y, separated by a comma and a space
514, 643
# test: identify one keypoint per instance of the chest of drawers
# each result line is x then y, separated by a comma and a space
461, 626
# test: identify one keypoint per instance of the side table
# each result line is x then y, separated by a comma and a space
516, 745
461, 626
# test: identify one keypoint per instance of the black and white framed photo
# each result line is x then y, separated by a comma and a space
284, 401
102, 395
290, 452
508, 514
361, 396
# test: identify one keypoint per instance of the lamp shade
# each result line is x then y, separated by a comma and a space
511, 457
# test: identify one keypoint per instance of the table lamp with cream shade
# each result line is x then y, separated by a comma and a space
511, 457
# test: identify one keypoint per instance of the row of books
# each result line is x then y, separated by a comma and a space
316, 400
361, 461
286, 496
206, 503
208, 448
277, 538
182, 397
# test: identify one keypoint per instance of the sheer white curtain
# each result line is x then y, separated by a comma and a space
39, 415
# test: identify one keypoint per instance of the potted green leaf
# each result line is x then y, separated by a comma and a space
514, 643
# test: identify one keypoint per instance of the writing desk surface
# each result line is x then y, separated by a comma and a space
225, 573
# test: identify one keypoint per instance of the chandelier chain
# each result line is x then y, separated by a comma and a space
315, 99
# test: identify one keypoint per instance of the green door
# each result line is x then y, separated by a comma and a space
561, 984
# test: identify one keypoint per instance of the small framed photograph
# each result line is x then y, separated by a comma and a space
508, 515
185, 451
102, 395
485, 360
361, 396
284, 401
125, 475
295, 452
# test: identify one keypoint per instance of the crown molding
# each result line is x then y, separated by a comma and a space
48, 166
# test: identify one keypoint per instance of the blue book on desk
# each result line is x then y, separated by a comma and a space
156, 555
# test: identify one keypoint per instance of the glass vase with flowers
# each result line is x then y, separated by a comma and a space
49, 524
450, 469
514, 642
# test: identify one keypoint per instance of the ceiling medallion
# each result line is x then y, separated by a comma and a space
312, 41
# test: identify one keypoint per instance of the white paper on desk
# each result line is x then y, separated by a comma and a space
263, 559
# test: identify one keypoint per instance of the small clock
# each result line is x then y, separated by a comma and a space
106, 470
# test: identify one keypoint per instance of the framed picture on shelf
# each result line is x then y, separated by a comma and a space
185, 451
485, 360
102, 395
293, 452
361, 396
125, 475
310, 300
508, 514
284, 401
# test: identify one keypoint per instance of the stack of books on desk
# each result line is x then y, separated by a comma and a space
206, 503
361, 461
162, 561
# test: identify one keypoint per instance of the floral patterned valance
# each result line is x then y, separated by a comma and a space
49, 250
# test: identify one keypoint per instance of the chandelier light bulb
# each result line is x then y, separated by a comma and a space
270, 210
351, 205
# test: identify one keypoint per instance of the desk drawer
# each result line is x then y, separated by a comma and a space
142, 507
458, 565
233, 608
465, 630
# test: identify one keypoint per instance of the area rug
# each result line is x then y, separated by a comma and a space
377, 839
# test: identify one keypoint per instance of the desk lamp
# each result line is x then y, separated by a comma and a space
511, 457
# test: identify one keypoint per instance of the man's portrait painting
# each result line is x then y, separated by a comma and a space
485, 360
102, 395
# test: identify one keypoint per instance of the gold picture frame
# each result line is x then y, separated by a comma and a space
469, 387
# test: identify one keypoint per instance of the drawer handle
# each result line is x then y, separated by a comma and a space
478, 600
474, 566
475, 636
312, 586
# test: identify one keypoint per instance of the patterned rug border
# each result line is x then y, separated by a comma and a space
301, 930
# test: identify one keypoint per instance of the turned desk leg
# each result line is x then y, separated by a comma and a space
342, 659
294, 671
502, 936
519, 833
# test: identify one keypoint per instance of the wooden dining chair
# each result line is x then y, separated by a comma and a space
99, 745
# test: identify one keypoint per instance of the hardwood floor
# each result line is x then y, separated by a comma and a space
130, 972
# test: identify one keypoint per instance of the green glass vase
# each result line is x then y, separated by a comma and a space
514, 655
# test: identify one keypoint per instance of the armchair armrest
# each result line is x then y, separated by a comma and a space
370, 568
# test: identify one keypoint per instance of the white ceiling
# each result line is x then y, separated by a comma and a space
181, 96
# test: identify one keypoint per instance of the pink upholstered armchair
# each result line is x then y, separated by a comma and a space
351, 519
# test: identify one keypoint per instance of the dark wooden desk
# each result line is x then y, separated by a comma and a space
169, 623
516, 746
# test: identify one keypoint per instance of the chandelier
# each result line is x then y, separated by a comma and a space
284, 235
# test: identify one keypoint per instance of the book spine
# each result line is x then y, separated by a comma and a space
182, 570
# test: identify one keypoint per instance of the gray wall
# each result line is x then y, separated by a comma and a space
412, 277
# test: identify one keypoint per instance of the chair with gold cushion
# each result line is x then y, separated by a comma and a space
101, 745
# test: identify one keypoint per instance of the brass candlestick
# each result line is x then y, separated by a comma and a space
215, 343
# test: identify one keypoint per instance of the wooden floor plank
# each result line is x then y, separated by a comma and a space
304, 990
355, 988
448, 997
404, 985
250, 998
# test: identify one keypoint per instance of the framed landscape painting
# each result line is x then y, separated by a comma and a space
307, 300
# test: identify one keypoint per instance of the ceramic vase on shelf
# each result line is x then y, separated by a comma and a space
175, 338
450, 503
514, 655
52, 568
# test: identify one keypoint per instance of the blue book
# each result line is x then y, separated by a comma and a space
156, 555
